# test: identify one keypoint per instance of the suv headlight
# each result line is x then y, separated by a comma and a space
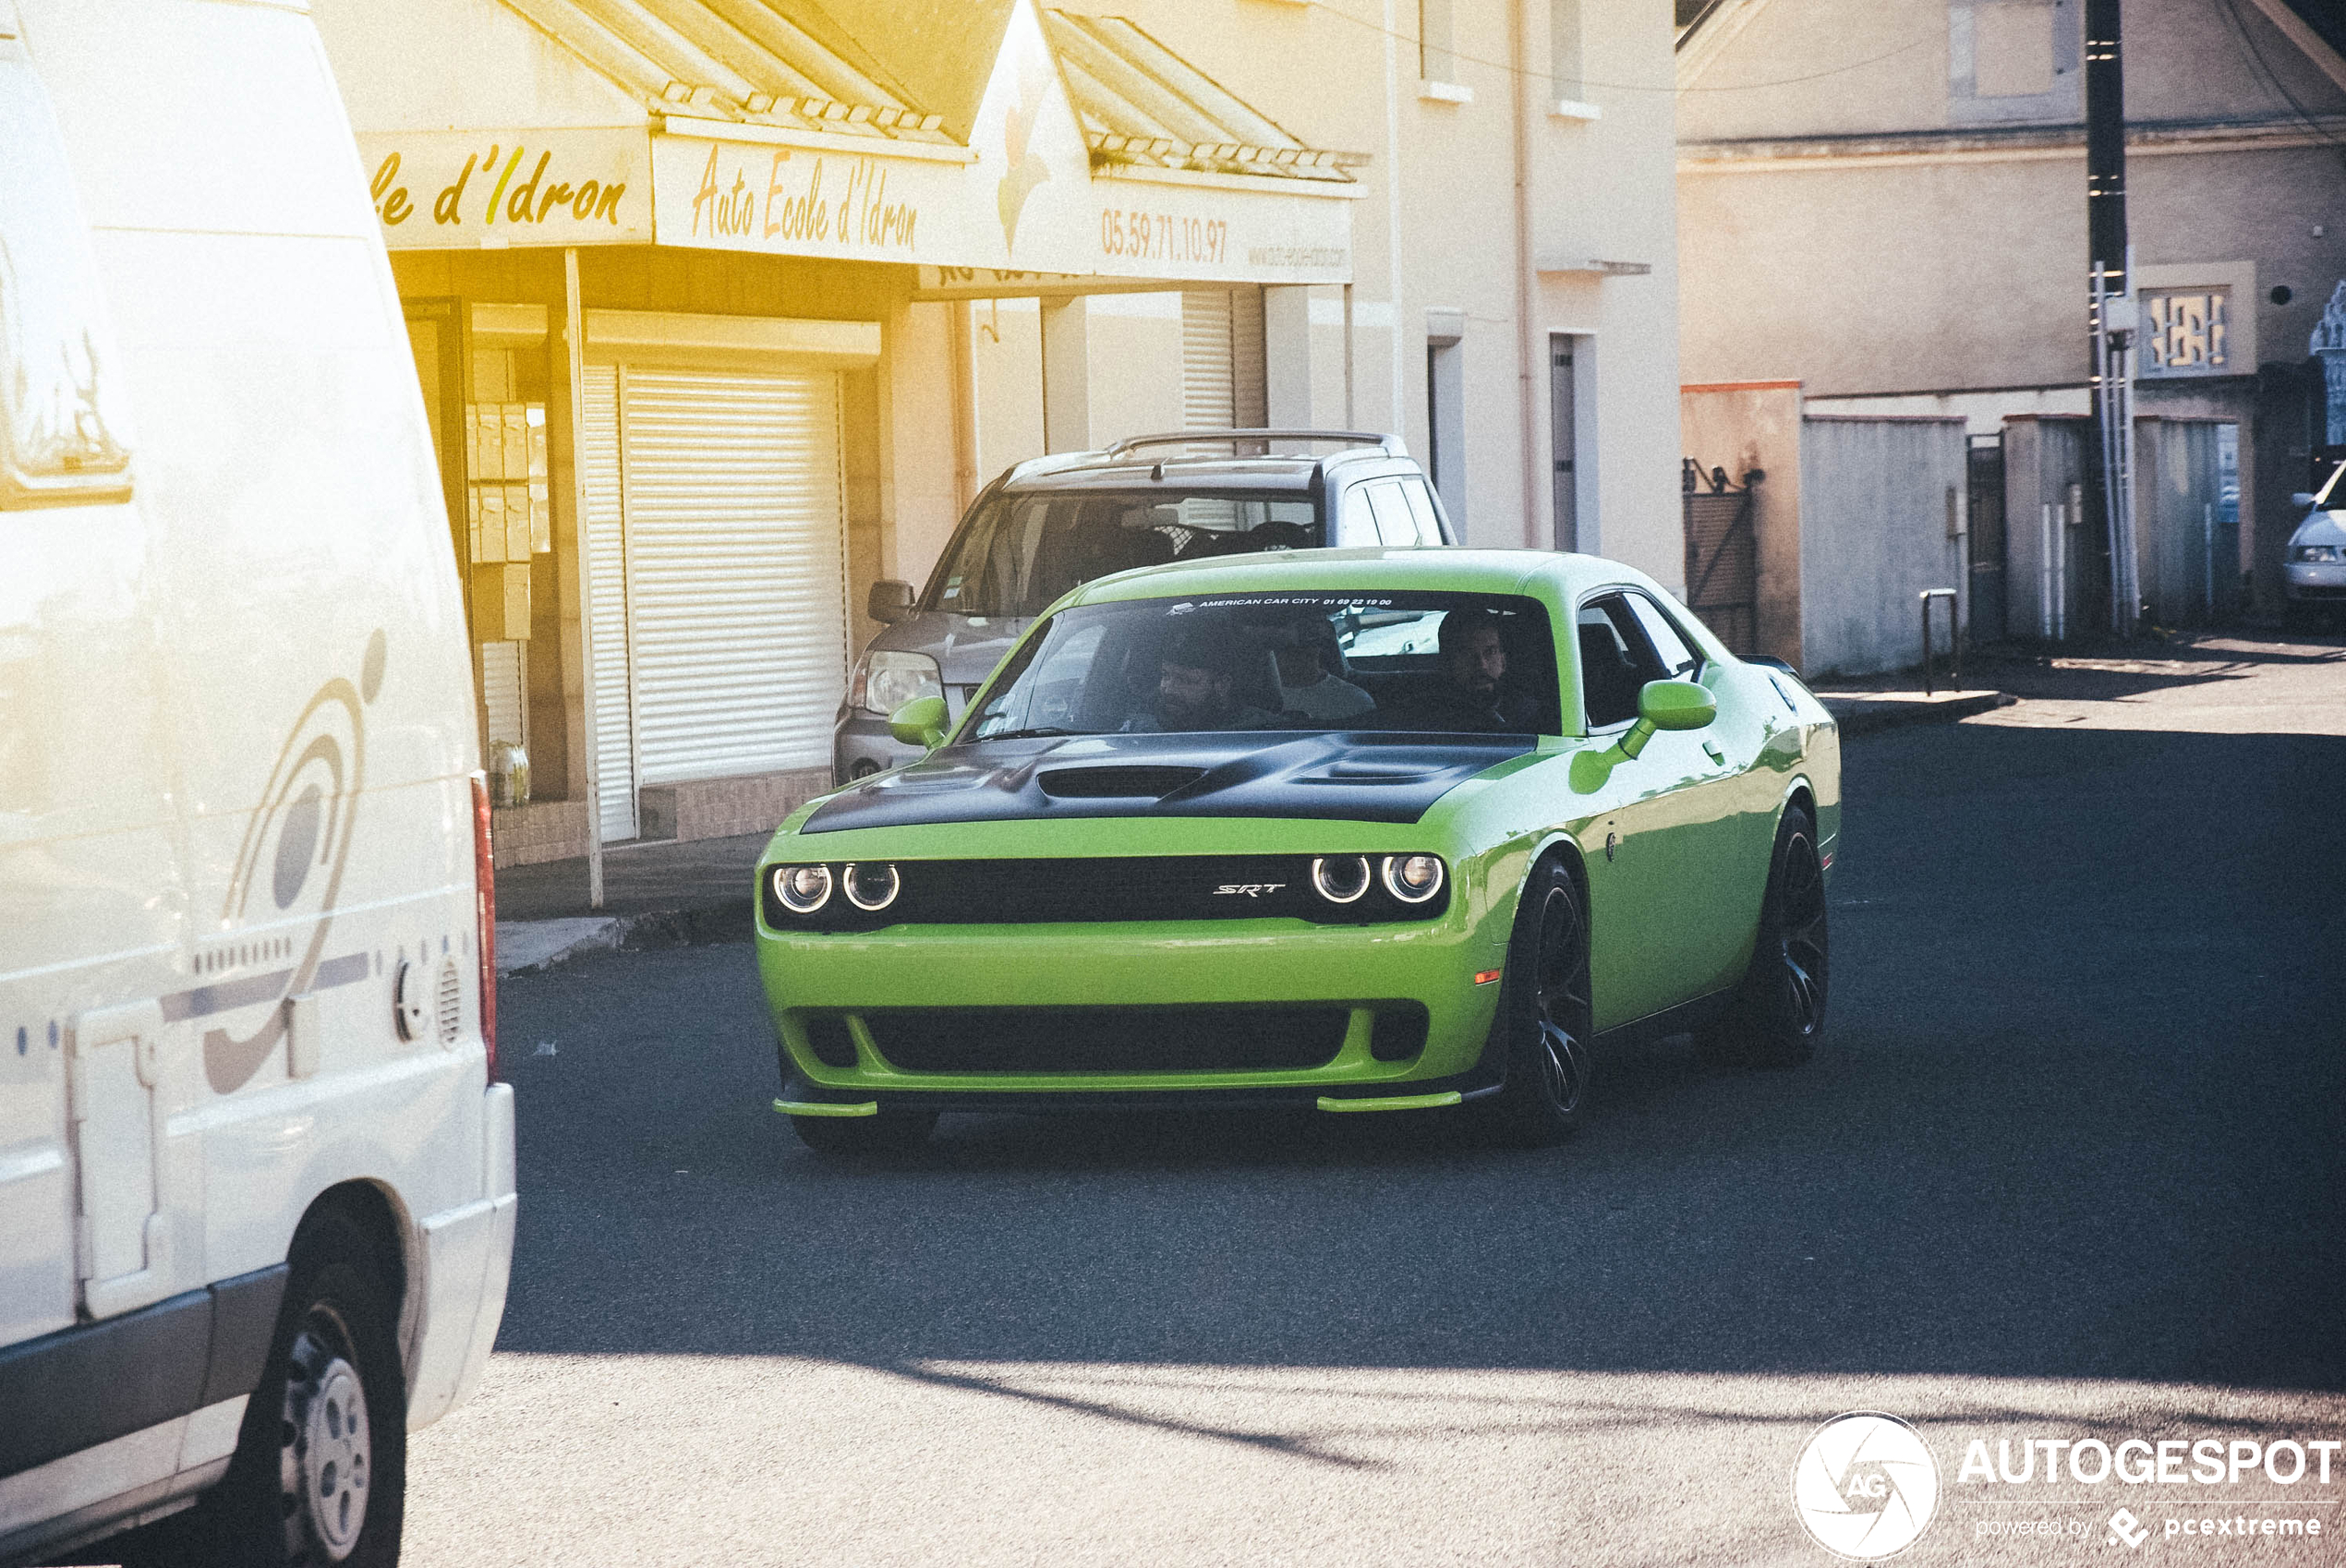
2314, 552
885, 681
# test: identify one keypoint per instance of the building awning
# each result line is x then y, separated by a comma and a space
974, 137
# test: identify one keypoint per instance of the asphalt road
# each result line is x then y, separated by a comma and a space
2069, 1165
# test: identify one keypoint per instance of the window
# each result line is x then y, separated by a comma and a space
1394, 524
2015, 61
1420, 503
1425, 662
63, 433
1615, 660
1021, 551
1563, 52
1435, 60
1678, 659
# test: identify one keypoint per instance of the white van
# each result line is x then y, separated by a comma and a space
256, 1177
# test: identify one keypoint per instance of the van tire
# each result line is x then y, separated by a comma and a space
288, 1496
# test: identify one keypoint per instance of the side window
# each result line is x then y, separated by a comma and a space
63, 437
1355, 524
1394, 524
1679, 661
1615, 661
1428, 520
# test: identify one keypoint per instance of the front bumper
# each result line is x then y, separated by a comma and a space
2316, 581
1368, 971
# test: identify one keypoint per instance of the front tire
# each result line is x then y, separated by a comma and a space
1545, 1013
320, 1474
1779, 1011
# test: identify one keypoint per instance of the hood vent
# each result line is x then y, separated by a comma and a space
1117, 783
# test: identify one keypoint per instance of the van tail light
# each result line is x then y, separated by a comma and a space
485, 909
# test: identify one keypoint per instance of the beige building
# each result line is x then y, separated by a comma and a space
1883, 201
725, 308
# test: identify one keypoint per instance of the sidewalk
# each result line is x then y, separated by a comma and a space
654, 894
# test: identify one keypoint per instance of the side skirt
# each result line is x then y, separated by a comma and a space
1680, 1019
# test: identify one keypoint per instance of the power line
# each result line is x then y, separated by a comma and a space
2243, 36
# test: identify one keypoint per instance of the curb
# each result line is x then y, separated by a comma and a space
1867, 717
531, 946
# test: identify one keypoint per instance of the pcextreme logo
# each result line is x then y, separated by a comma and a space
1865, 1485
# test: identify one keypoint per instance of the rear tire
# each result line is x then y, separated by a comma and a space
1544, 1015
1779, 1010
864, 1138
320, 1474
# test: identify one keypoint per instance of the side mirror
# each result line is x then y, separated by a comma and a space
1662, 705
889, 601
1675, 705
2304, 498
920, 722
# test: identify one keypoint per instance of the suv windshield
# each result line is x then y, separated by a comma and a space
1439, 662
1020, 551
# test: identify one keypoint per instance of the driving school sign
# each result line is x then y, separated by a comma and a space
445, 189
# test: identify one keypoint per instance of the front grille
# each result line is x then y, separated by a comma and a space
1160, 887
1108, 1039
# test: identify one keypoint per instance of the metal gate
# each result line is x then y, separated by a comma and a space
1722, 554
1987, 533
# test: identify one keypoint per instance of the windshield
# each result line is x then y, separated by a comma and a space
1439, 662
1020, 551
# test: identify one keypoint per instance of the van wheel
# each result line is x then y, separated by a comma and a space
1779, 1010
1544, 1015
864, 1138
321, 1469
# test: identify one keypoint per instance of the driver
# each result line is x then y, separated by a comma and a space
1471, 660
1193, 691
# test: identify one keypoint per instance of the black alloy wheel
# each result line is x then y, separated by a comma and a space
864, 1138
1780, 1009
1544, 1013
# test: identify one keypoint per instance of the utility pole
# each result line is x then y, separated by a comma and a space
2111, 302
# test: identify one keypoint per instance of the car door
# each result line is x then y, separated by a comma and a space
1653, 851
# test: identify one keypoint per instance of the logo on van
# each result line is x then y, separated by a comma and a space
294, 854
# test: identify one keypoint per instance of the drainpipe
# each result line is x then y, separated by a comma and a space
1525, 356
1398, 421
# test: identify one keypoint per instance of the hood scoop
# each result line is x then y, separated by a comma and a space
1117, 783
1326, 775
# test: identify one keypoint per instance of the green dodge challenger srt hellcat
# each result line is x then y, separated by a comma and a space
1358, 830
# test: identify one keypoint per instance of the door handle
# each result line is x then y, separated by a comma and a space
1712, 748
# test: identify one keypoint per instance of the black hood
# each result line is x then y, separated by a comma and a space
1333, 775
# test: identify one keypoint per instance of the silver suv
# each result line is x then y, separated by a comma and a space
1054, 523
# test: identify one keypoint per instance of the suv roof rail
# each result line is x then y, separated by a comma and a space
1391, 445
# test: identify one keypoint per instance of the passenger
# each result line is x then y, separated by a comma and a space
1194, 691
1307, 686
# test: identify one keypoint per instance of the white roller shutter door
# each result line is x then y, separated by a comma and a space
1206, 385
736, 572
605, 548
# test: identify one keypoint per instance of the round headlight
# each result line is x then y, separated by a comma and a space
803, 888
871, 887
1341, 879
1413, 879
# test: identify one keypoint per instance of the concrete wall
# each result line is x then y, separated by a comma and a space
1740, 429
1873, 524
